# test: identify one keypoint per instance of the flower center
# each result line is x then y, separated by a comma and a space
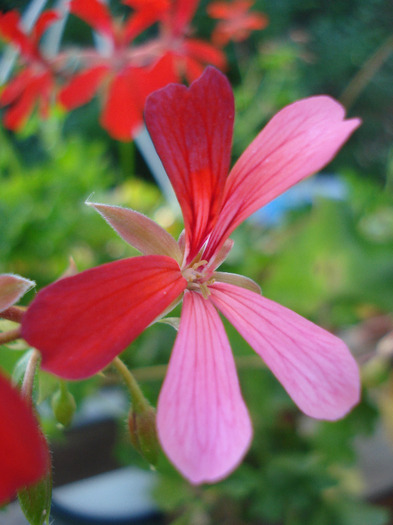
198, 278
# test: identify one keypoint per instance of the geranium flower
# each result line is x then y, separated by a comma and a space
34, 84
24, 457
81, 323
189, 55
236, 22
126, 77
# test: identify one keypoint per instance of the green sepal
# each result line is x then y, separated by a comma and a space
35, 501
143, 433
63, 405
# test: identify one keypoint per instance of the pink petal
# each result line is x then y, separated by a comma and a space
139, 231
202, 421
12, 288
24, 457
300, 140
192, 132
315, 367
82, 322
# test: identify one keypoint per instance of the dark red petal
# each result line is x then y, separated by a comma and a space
24, 457
82, 87
192, 132
95, 14
81, 323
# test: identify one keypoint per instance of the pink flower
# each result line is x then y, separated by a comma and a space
34, 84
80, 323
24, 456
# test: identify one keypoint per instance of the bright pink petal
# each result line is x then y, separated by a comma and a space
202, 421
24, 457
300, 140
138, 230
192, 132
12, 288
315, 367
82, 87
81, 323
95, 14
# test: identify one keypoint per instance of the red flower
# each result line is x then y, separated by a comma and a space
81, 323
34, 84
236, 22
126, 78
189, 55
24, 457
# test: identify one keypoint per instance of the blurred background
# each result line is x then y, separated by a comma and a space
324, 249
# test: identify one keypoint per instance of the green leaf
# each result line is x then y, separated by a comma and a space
35, 501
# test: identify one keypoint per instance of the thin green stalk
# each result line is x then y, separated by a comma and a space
138, 399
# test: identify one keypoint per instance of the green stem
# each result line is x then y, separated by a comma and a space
157, 372
366, 73
138, 399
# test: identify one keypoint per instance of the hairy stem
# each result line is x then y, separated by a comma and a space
138, 399
13, 313
10, 335
28, 380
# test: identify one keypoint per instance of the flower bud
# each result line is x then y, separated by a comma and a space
143, 433
63, 405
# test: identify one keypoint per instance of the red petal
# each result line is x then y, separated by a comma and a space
192, 132
10, 31
15, 87
44, 21
204, 52
147, 12
24, 456
95, 14
181, 15
81, 323
82, 87
122, 116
